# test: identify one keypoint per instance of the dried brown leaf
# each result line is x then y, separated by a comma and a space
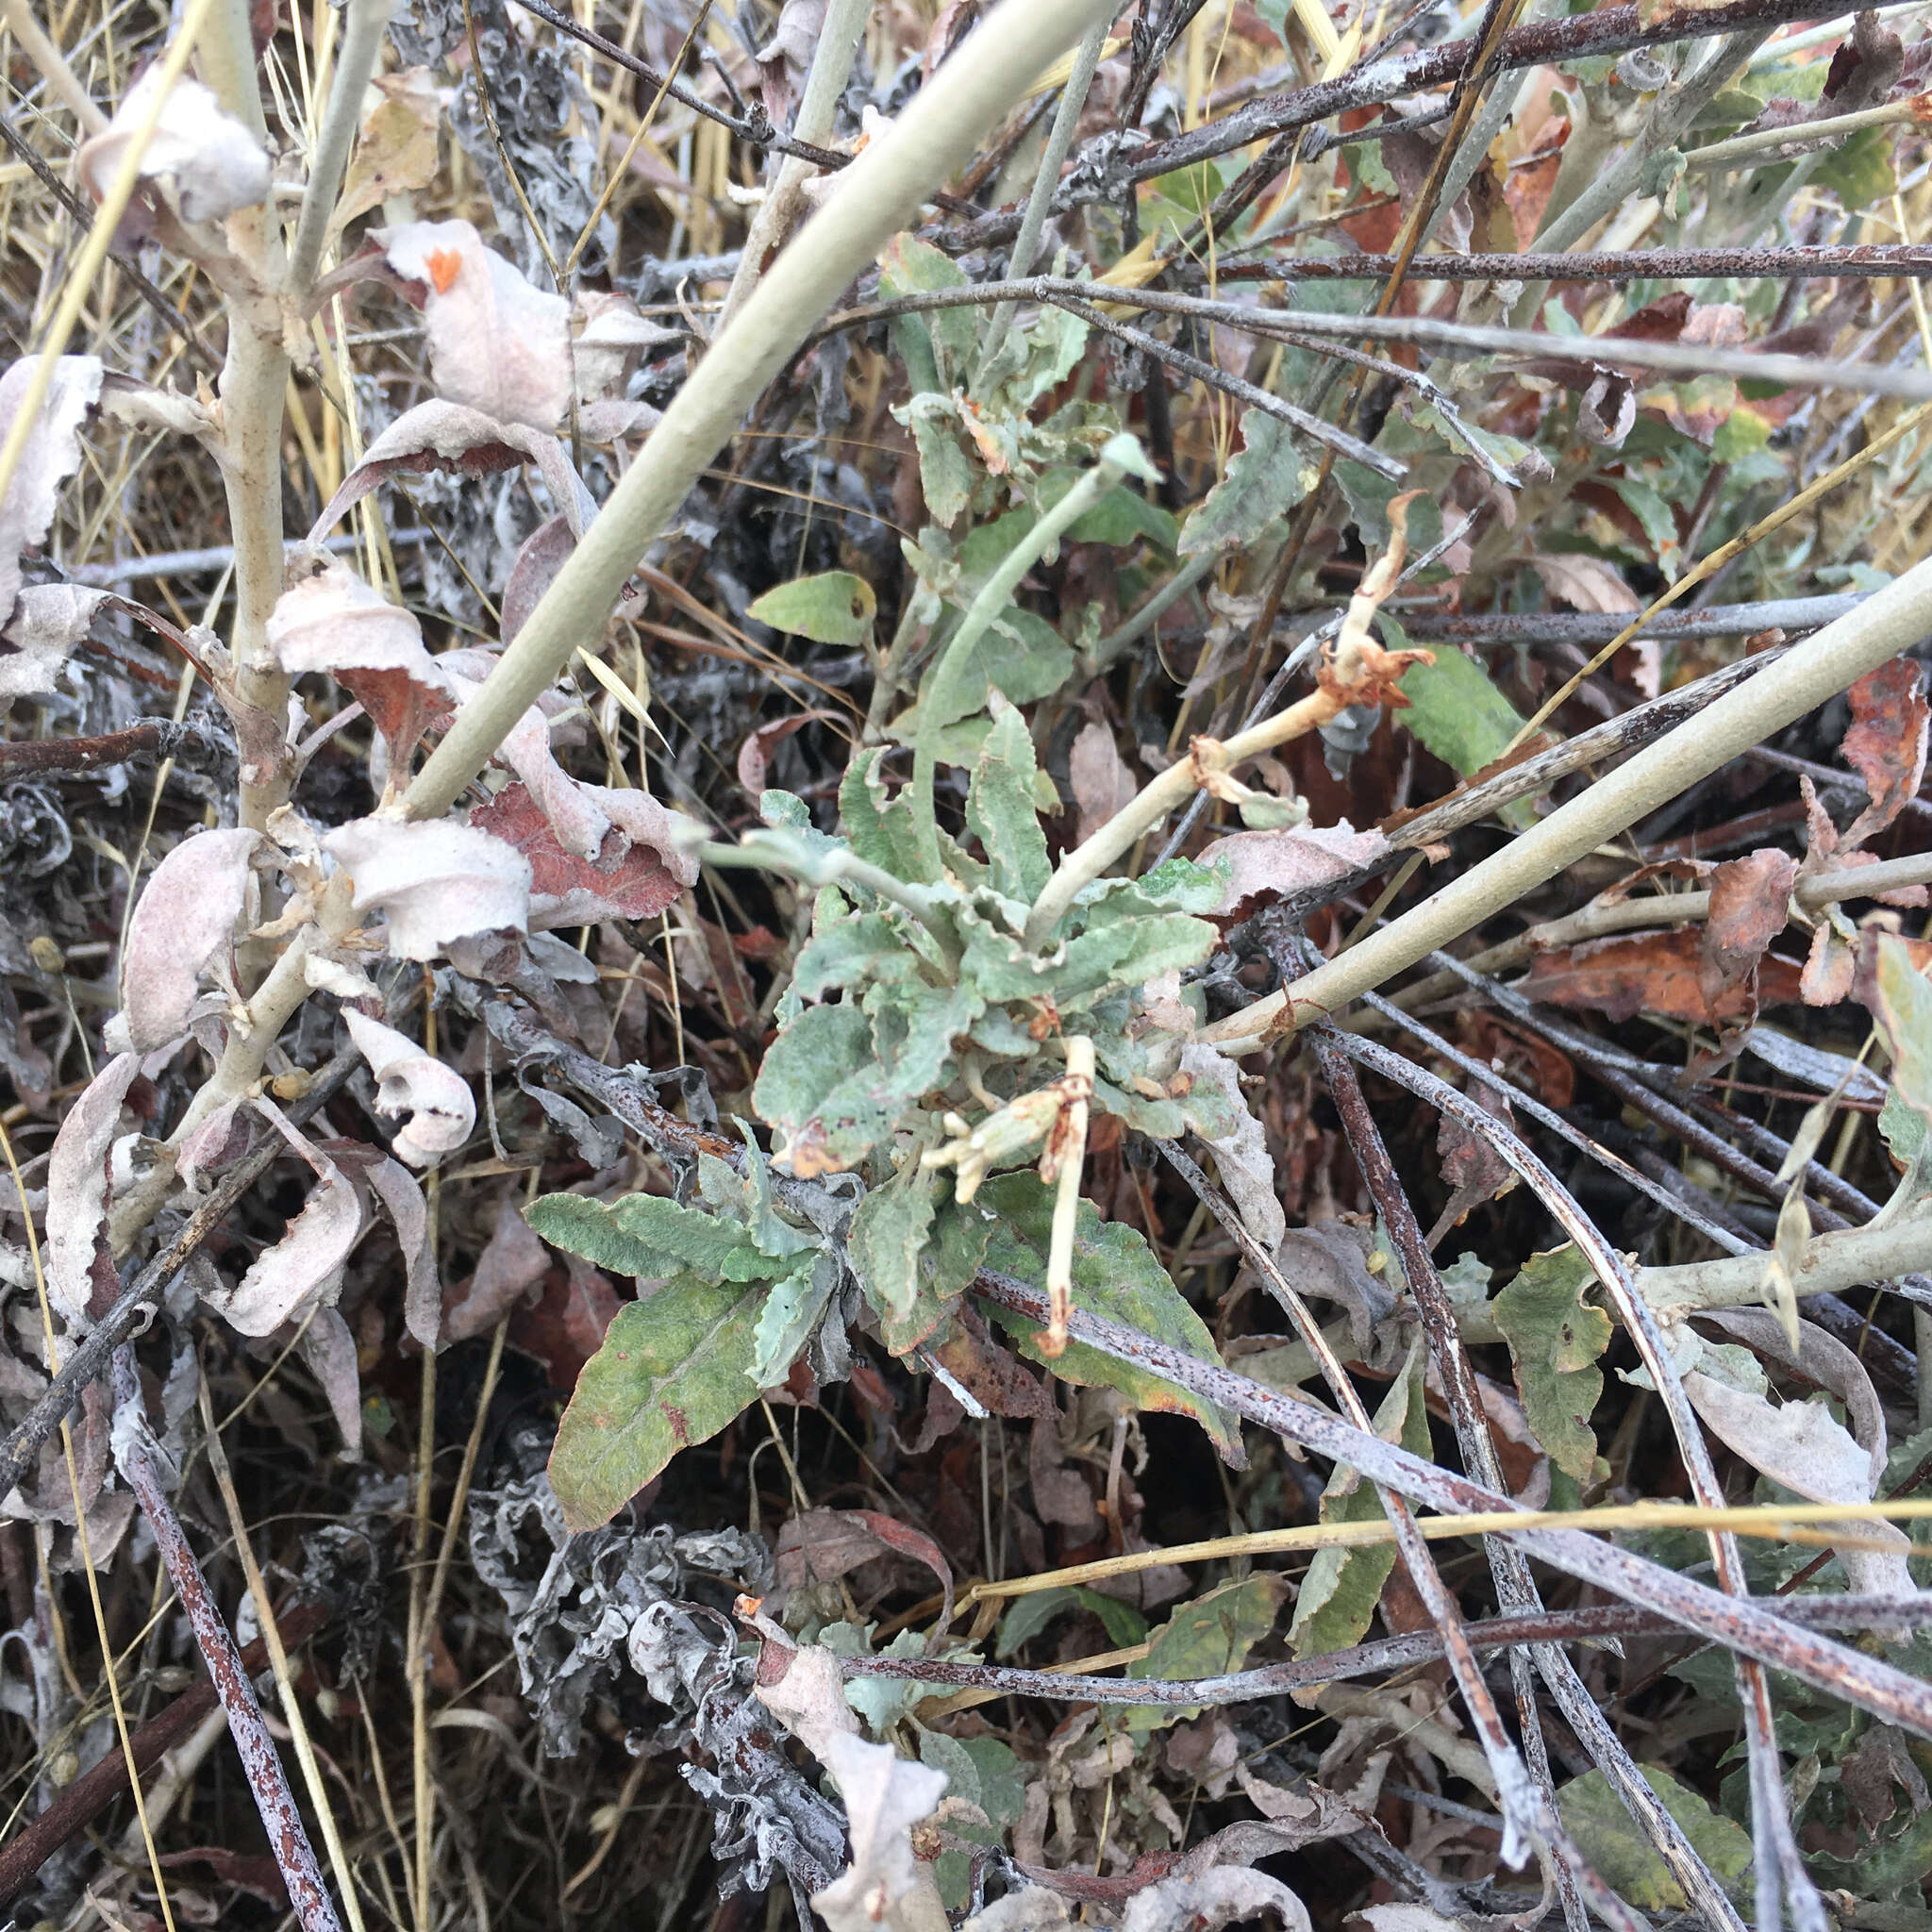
183, 924
1263, 866
78, 1190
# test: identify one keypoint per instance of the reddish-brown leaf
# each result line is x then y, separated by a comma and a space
1886, 745
1652, 973
1750, 902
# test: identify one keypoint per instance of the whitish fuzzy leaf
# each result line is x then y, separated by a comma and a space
48, 621
183, 922
1115, 1274
330, 620
395, 1187
433, 881
303, 1267
672, 1370
1241, 1156
1206, 1638
1269, 476
496, 344
834, 608
647, 1235
610, 343
1342, 1586
51, 455
790, 1312
1610, 1838
1126, 952
77, 1187
203, 162
1207, 1900
880, 826
1555, 1341
1260, 867
885, 1888
889, 1235
440, 1110
395, 146
452, 438
1031, 1614
1457, 713
936, 348
850, 951
999, 808
809, 1699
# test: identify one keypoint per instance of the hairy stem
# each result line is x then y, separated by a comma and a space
874, 197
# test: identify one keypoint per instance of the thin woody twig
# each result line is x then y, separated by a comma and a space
287, 1836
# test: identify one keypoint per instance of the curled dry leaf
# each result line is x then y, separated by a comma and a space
1652, 973
457, 440
395, 1187
1207, 1900
497, 344
48, 621
52, 455
330, 620
1586, 583
1265, 866
885, 1888
804, 1689
395, 147
1246, 1167
639, 869
329, 1351
183, 923
440, 1110
433, 882
611, 343
79, 1182
302, 1269
1750, 904
203, 162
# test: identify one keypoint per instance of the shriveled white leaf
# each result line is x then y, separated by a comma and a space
610, 343
182, 923
1405, 1918
1247, 1170
434, 881
143, 406
329, 1351
1822, 1358
809, 1699
1210, 1900
325, 973
305, 1267
77, 1171
330, 620
1265, 865
436, 1099
395, 1187
51, 456
208, 1146
1021, 1911
205, 162
48, 621
513, 1262
885, 1888
496, 343
463, 441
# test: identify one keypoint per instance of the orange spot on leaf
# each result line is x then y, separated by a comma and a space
445, 265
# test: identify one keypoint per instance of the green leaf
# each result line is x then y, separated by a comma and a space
1610, 1838
1903, 1125
1019, 653
937, 347
880, 826
880, 1701
946, 1265
849, 951
645, 1234
1270, 475
1343, 1585
1030, 1615
946, 472
1121, 517
1115, 1274
1206, 1638
1555, 1340
807, 1088
1903, 1011
1659, 521
888, 1234
999, 808
1859, 170
834, 608
1457, 712
790, 1312
672, 1371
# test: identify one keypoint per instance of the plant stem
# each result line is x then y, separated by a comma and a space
874, 197
1888, 622
361, 50
1053, 157
1850, 1258
818, 113
287, 1837
936, 706
1067, 1141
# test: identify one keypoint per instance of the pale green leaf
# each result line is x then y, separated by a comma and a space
1555, 1338
1625, 1859
880, 826
1271, 474
937, 347
888, 1234
647, 1234
1115, 1274
1030, 1615
945, 1268
1019, 654
849, 951
807, 1089
672, 1371
1905, 1013
1457, 712
999, 808
945, 474
1343, 1585
1206, 1638
834, 608
790, 1312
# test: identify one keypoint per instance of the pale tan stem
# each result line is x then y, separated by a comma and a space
1068, 1144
